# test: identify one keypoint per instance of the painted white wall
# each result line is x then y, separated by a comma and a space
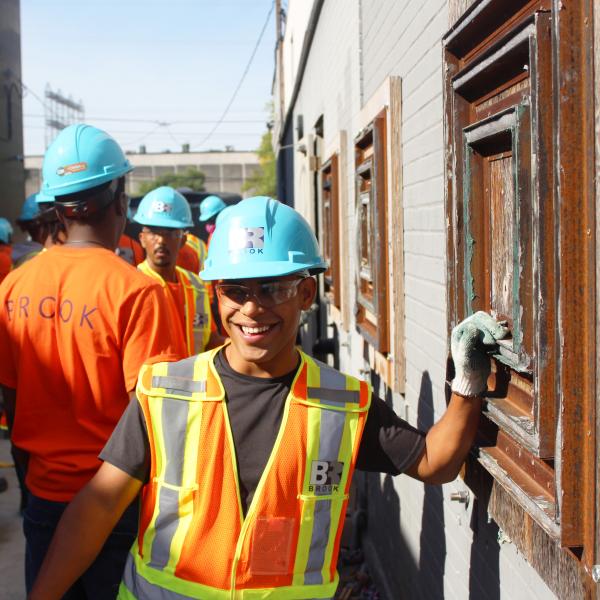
427, 541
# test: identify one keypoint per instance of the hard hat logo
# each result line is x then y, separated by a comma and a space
242, 238
161, 207
74, 168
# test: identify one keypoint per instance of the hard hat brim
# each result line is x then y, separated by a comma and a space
260, 270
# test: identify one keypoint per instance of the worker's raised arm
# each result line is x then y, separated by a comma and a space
83, 529
449, 440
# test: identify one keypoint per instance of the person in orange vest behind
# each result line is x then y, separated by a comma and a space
6, 232
244, 455
165, 215
76, 325
129, 249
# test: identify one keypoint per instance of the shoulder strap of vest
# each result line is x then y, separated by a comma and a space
145, 268
193, 379
318, 384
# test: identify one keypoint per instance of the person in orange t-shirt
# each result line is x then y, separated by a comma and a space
76, 324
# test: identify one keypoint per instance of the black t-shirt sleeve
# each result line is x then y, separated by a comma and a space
128, 447
389, 444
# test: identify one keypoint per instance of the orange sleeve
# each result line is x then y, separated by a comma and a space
8, 371
148, 334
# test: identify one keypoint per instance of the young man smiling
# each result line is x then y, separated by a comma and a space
165, 215
245, 454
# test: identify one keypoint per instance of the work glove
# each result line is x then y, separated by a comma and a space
471, 343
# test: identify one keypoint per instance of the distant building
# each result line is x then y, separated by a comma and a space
11, 111
224, 171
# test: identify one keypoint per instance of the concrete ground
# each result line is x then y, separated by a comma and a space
12, 543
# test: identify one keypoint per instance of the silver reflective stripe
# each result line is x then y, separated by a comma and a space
330, 440
334, 397
165, 526
174, 425
142, 589
173, 385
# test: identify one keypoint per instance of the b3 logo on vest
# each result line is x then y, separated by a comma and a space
251, 239
325, 476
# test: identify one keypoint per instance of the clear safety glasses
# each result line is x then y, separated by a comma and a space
268, 294
155, 232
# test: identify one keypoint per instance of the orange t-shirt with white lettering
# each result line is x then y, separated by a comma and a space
76, 324
5, 260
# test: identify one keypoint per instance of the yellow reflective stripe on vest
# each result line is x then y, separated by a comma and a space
157, 587
198, 246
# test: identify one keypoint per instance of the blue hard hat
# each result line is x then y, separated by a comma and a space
30, 210
261, 237
210, 206
82, 157
6, 230
164, 207
42, 198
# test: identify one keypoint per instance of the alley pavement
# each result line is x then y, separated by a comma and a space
12, 543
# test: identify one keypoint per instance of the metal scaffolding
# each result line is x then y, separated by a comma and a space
60, 112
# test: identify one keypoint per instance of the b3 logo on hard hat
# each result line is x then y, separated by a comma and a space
325, 475
74, 168
251, 239
161, 207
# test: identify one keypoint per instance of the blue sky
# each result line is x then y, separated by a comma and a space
146, 62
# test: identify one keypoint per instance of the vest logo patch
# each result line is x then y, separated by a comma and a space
251, 239
199, 320
325, 476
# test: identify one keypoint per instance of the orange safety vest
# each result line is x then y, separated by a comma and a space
193, 539
198, 319
198, 246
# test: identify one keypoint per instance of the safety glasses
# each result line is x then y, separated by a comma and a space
163, 233
268, 294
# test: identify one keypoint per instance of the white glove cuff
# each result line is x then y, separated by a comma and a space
472, 384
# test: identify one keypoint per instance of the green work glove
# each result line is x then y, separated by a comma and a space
471, 342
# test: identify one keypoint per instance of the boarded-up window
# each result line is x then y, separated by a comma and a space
330, 236
371, 199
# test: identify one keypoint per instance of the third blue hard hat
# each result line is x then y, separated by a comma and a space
210, 206
82, 157
261, 237
6, 230
164, 207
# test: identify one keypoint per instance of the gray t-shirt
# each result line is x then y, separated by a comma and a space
255, 407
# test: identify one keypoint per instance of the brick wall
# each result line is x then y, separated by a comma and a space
420, 545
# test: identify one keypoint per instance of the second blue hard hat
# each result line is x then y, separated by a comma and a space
164, 207
261, 237
30, 210
210, 206
82, 157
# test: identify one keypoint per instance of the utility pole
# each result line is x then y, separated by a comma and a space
279, 37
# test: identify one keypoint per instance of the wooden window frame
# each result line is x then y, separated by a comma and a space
545, 465
330, 237
372, 306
